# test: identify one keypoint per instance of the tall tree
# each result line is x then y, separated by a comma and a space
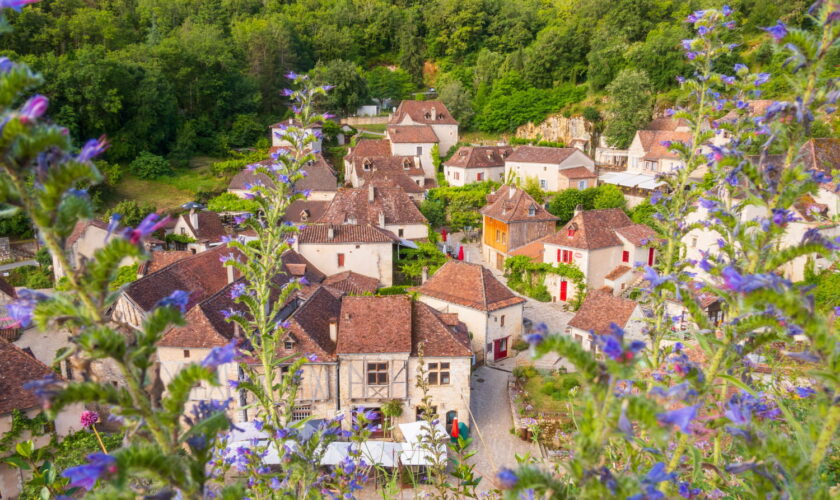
350, 89
630, 106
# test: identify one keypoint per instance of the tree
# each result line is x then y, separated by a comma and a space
349, 87
434, 211
609, 196
564, 203
457, 99
660, 56
531, 185
131, 211
630, 106
150, 166
384, 84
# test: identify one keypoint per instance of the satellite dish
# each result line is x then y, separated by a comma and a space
192, 205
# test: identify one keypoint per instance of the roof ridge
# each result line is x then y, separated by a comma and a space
483, 287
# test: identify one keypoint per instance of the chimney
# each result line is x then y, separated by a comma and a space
229, 274
370, 193
330, 233
578, 209
334, 329
511, 191
424, 274
381, 218
434, 113
194, 219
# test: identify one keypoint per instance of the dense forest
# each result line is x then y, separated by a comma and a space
183, 77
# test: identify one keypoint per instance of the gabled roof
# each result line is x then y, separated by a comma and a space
17, 368
637, 234
667, 123
210, 228
345, 233
600, 309
81, 226
7, 289
418, 134
652, 143
618, 272
353, 205
426, 112
351, 282
479, 157
369, 166
437, 333
822, 154
595, 229
578, 173
369, 147
755, 107
161, 258
247, 178
470, 285
305, 211
512, 204
320, 176
310, 326
402, 181
541, 154
534, 250
375, 325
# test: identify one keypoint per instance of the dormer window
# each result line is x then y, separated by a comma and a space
570, 232
288, 344
406, 164
532, 211
304, 214
366, 165
428, 115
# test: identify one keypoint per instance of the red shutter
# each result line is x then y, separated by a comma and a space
650, 257
341, 260
563, 290
625, 256
558, 254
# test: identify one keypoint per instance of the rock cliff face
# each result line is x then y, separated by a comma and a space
558, 128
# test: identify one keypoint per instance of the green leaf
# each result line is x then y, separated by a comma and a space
25, 449
45, 493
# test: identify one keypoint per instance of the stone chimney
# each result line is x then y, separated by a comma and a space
229, 274
381, 218
424, 274
194, 219
330, 233
434, 113
370, 193
511, 191
334, 329
578, 209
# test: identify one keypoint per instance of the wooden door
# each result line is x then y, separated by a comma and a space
500, 348
500, 262
650, 256
564, 290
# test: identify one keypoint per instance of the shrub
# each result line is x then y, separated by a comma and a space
132, 212
393, 290
525, 371
434, 211
229, 202
150, 166
125, 275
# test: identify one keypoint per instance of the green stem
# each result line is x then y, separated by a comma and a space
832, 421
98, 438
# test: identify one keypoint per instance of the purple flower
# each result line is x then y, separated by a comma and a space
221, 355
224, 259
657, 474
312, 358
234, 384
726, 10
761, 79
6, 65
177, 299
680, 418
44, 389
624, 424
20, 311
34, 108
804, 392
240, 219
729, 80
92, 149
703, 30
85, 476
741, 68
258, 425
652, 277
291, 75
88, 419
237, 290
507, 478
782, 216
149, 225
735, 281
686, 491
805, 357
778, 31
327, 88
287, 92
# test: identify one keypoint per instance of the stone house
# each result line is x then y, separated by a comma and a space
555, 168
205, 227
598, 312
648, 155
491, 312
389, 208
414, 140
87, 237
363, 248
476, 164
279, 127
320, 180
511, 219
17, 368
604, 244
366, 148
708, 302
433, 114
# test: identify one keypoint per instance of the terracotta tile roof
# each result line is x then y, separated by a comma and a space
160, 259
618, 272
375, 325
352, 205
427, 112
666, 123
437, 334
18, 368
541, 154
210, 228
7, 289
371, 148
351, 282
371, 166
595, 229
534, 250
823, 154
345, 233
511, 204
637, 234
320, 176
578, 173
599, 310
305, 210
246, 178
80, 228
310, 326
479, 157
470, 285
201, 274
756, 107
412, 134
402, 181
652, 143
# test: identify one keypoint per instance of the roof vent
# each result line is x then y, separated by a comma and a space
330, 232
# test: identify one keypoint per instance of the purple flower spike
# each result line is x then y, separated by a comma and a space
287, 92
804, 392
507, 479
85, 476
680, 418
149, 225
685, 489
726, 10
291, 75
20, 311
34, 108
177, 299
761, 79
237, 290
778, 31
221, 355
92, 149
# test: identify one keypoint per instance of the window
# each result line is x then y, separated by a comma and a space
186, 353
543, 184
498, 236
479, 177
502, 320
564, 256
289, 344
570, 232
183, 231
341, 260
419, 150
532, 211
301, 412
438, 373
581, 184
377, 373
625, 256
578, 339
694, 242
457, 175
400, 232
366, 165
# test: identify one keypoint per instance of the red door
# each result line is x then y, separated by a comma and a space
500, 348
564, 288
650, 256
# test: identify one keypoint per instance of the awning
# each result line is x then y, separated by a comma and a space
416, 451
408, 243
641, 181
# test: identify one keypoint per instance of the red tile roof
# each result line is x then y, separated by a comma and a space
375, 325
578, 173
427, 112
534, 250
369, 147
371, 166
18, 368
310, 326
595, 229
470, 285
210, 228
511, 204
80, 228
755, 108
320, 176
353, 205
666, 123
541, 154
395, 180
305, 210
618, 272
599, 310
637, 234
159, 259
439, 334
408, 134
479, 157
822, 154
247, 178
345, 233
652, 143
353, 283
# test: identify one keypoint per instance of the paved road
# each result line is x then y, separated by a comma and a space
496, 447
13, 265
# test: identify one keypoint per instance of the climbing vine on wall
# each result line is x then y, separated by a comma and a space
528, 277
37, 425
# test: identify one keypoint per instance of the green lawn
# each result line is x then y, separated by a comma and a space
477, 137
541, 399
374, 127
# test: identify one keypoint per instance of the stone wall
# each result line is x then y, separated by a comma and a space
558, 128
